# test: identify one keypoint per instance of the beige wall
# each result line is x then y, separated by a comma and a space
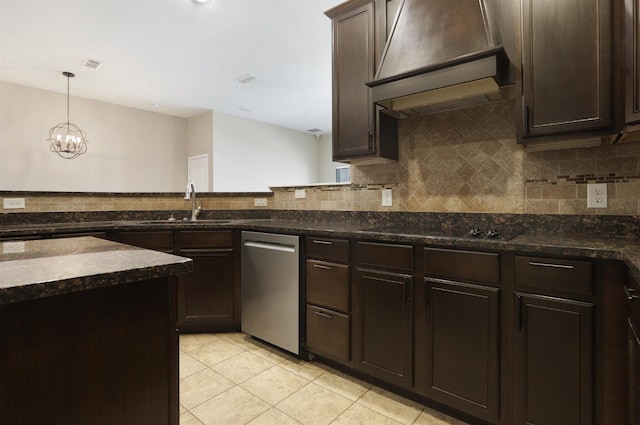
129, 150
200, 139
457, 161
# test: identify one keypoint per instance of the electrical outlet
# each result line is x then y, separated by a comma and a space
13, 247
259, 202
300, 194
597, 195
387, 198
12, 203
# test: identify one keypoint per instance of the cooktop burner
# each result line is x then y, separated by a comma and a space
474, 233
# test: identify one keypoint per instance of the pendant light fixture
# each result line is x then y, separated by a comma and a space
67, 139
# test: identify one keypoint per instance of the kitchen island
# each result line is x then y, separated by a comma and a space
87, 333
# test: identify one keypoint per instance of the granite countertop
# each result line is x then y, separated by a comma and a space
621, 248
42, 268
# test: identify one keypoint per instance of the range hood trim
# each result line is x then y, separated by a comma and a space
485, 67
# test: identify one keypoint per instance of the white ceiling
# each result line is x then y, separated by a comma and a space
180, 54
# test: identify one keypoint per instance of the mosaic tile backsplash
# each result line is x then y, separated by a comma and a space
456, 161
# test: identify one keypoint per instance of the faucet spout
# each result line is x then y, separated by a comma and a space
194, 211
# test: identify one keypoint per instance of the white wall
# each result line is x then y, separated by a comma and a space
251, 156
200, 138
326, 167
129, 150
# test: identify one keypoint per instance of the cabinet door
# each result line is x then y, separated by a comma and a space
634, 374
632, 61
353, 66
566, 55
206, 295
384, 311
462, 346
554, 361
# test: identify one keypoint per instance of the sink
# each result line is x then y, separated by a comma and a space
167, 221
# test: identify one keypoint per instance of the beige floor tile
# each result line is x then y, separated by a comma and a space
360, 415
215, 352
433, 417
342, 384
271, 354
242, 367
275, 384
234, 407
398, 408
314, 405
189, 365
190, 342
187, 418
242, 340
182, 409
202, 386
274, 416
308, 370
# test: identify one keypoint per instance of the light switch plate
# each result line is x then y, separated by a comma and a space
260, 202
387, 198
12, 203
300, 194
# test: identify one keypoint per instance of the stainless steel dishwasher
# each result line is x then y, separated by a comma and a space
271, 289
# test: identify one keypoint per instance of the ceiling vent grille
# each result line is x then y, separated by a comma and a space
314, 130
92, 63
244, 79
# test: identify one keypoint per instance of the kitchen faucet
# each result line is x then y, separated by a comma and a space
191, 193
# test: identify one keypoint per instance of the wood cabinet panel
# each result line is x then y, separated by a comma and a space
567, 67
385, 325
328, 285
554, 361
554, 274
328, 249
467, 265
205, 238
329, 333
156, 240
632, 61
462, 346
385, 256
633, 373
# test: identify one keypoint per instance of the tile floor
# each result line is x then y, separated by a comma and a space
234, 379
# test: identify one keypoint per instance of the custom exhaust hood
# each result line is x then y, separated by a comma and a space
442, 54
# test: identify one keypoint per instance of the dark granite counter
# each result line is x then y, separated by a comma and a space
43, 268
545, 235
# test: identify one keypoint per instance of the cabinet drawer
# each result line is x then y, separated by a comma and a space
150, 240
554, 274
328, 249
205, 239
328, 333
382, 255
465, 265
328, 285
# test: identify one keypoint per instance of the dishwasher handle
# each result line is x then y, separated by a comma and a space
270, 246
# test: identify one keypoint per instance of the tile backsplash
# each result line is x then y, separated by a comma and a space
456, 161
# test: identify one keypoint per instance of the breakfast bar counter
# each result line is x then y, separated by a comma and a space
87, 333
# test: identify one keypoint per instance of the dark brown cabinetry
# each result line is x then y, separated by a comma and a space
632, 61
328, 289
208, 297
361, 131
566, 55
632, 293
554, 343
384, 286
460, 348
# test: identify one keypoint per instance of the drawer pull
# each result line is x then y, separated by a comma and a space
322, 242
631, 294
320, 266
325, 315
555, 266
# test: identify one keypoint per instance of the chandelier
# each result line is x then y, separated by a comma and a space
67, 139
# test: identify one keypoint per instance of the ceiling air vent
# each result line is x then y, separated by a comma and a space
92, 63
244, 79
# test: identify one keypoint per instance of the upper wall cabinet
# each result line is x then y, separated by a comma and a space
566, 85
357, 123
632, 61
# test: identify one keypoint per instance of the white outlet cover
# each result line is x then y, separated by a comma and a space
597, 195
387, 198
300, 194
260, 202
12, 203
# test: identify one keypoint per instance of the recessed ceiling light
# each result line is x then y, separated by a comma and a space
201, 1
156, 105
